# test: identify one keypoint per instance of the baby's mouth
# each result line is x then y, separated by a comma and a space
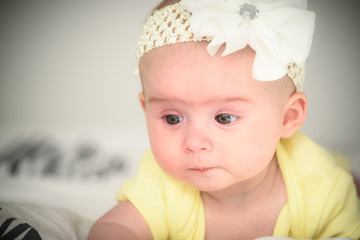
202, 170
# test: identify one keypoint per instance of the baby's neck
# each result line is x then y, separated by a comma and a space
248, 193
247, 210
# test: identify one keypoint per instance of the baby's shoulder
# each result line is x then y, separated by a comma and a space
310, 170
320, 192
305, 159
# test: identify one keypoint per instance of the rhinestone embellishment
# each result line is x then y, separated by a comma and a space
248, 11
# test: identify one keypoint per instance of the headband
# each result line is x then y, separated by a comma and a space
279, 31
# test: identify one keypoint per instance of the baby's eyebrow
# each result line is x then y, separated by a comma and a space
235, 99
159, 100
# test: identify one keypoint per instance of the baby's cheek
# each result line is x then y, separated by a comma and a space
164, 151
171, 165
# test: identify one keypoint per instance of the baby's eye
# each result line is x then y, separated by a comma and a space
173, 119
225, 118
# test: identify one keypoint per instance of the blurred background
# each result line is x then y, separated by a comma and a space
66, 71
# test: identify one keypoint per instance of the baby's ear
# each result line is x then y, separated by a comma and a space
142, 100
295, 114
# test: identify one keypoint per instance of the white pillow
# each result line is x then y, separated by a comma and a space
26, 221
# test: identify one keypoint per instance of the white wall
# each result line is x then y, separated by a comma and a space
333, 73
67, 66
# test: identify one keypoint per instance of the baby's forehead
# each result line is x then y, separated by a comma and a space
191, 60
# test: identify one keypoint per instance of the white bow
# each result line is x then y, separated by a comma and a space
280, 31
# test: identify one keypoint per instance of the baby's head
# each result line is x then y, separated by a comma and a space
206, 102
280, 32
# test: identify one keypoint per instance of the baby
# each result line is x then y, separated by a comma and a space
223, 103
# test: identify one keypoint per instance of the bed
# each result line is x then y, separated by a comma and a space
59, 185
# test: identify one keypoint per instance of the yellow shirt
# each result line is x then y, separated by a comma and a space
322, 200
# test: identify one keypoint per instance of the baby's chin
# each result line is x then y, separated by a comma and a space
212, 187
208, 180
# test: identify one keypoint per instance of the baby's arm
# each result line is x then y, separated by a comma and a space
121, 222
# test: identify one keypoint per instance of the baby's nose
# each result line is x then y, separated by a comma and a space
197, 139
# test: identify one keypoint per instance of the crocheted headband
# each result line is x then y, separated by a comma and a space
279, 31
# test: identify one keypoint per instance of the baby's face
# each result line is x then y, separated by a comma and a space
210, 123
